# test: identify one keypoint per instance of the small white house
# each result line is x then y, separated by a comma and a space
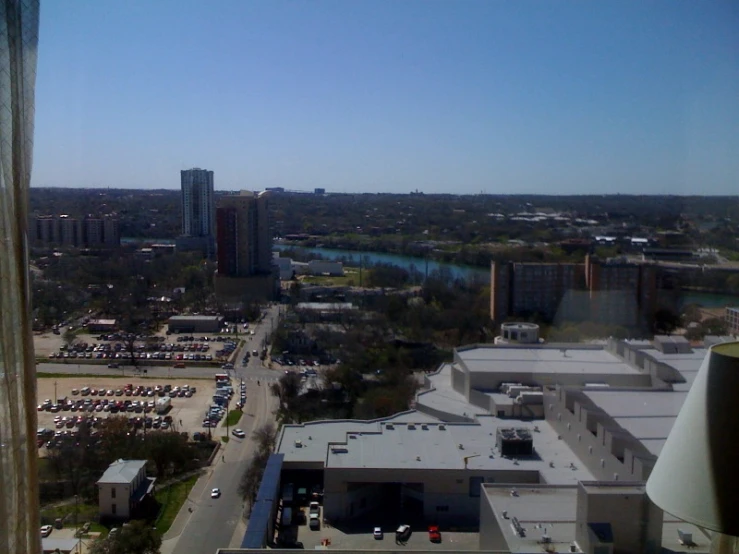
123, 486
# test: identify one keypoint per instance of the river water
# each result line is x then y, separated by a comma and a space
353, 258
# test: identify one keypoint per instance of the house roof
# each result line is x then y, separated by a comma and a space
122, 472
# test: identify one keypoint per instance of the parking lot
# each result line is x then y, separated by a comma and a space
185, 413
113, 349
359, 536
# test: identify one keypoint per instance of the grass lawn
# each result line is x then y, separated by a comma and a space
85, 512
171, 499
233, 417
349, 279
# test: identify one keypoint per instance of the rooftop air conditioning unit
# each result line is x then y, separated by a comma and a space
686, 539
298, 443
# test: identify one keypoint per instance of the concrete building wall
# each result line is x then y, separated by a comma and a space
321, 267
460, 381
197, 325
491, 535
492, 380
605, 452
121, 498
451, 496
636, 523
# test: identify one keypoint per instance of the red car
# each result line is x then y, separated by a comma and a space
434, 534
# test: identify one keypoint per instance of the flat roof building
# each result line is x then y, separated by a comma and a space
195, 323
561, 437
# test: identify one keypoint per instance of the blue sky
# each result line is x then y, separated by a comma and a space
457, 96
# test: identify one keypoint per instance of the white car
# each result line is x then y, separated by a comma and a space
46, 530
377, 533
215, 493
238, 433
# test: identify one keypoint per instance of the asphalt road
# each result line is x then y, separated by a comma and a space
212, 522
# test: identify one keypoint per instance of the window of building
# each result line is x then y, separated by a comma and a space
442, 508
112, 492
113, 509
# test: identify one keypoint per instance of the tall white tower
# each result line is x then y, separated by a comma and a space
198, 205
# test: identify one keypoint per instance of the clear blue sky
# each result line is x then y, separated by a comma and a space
454, 96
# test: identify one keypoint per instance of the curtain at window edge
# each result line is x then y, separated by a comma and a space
19, 498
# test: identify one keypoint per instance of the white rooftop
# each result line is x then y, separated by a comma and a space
122, 471
555, 509
577, 360
536, 509
416, 441
443, 398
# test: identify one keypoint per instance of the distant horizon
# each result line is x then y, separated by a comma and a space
414, 193
383, 96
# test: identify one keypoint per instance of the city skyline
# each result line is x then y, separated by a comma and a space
391, 97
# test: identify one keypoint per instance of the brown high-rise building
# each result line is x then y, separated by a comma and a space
63, 230
244, 246
608, 292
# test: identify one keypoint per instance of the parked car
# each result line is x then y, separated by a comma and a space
46, 530
434, 534
377, 533
403, 532
238, 433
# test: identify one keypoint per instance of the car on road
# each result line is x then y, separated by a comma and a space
254, 353
434, 534
377, 533
238, 433
403, 533
215, 493
46, 530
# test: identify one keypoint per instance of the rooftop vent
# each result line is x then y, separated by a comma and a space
518, 527
442, 427
425, 427
411, 426
352, 436
298, 443
461, 446
389, 426
418, 458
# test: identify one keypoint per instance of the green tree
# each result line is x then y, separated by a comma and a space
135, 538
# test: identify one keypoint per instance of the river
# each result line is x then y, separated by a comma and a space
352, 259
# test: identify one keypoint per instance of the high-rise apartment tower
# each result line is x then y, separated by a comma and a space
198, 211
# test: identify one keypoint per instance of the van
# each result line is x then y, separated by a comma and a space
403, 533
84, 391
